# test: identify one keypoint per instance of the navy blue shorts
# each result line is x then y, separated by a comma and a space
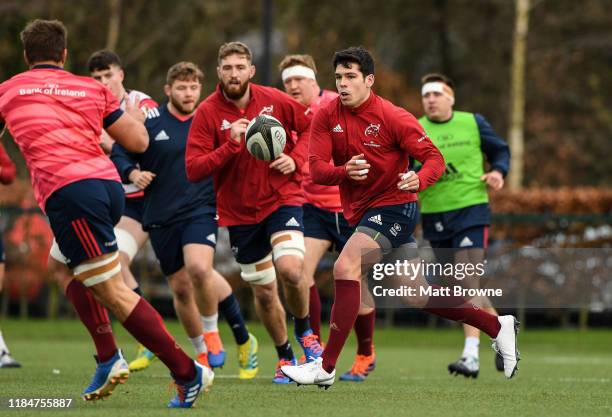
2, 256
390, 226
251, 243
472, 237
446, 225
82, 216
168, 241
134, 207
326, 225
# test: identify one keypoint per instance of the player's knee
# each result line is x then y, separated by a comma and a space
126, 243
347, 268
288, 243
199, 272
259, 273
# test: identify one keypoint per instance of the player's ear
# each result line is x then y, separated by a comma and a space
167, 89
121, 74
369, 80
64, 56
252, 72
25, 58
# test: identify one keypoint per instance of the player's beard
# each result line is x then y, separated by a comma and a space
233, 92
184, 110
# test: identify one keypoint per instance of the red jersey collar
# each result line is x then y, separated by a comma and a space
363, 106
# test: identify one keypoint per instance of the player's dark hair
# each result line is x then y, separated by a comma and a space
102, 60
293, 60
355, 55
184, 71
434, 76
44, 40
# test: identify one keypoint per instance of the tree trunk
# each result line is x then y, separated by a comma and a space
114, 20
517, 94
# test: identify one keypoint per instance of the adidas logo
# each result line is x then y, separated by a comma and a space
162, 136
338, 129
225, 125
466, 242
212, 238
376, 219
334, 326
292, 222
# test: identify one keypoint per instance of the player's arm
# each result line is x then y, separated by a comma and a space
413, 139
202, 159
497, 152
8, 171
320, 153
122, 127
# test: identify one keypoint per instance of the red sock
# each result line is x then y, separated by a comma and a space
95, 318
315, 311
147, 326
364, 329
458, 309
347, 299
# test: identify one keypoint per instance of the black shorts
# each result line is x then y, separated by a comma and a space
251, 243
134, 207
472, 237
168, 241
447, 225
390, 226
326, 225
82, 216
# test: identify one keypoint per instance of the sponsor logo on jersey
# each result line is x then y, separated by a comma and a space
267, 110
372, 130
338, 129
376, 219
162, 136
225, 125
422, 138
371, 144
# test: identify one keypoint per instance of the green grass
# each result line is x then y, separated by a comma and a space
563, 373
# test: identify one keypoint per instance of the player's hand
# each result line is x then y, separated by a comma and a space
106, 142
238, 129
357, 168
494, 179
141, 179
132, 107
409, 181
284, 163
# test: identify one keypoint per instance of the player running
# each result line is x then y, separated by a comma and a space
325, 227
370, 141
7, 176
455, 210
180, 218
260, 202
56, 119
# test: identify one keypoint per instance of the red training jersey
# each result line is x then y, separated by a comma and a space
248, 190
387, 135
8, 171
56, 118
326, 197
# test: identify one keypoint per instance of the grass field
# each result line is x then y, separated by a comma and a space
563, 373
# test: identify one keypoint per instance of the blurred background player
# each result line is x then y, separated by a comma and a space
105, 66
78, 188
380, 197
7, 176
180, 218
325, 227
455, 210
259, 202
